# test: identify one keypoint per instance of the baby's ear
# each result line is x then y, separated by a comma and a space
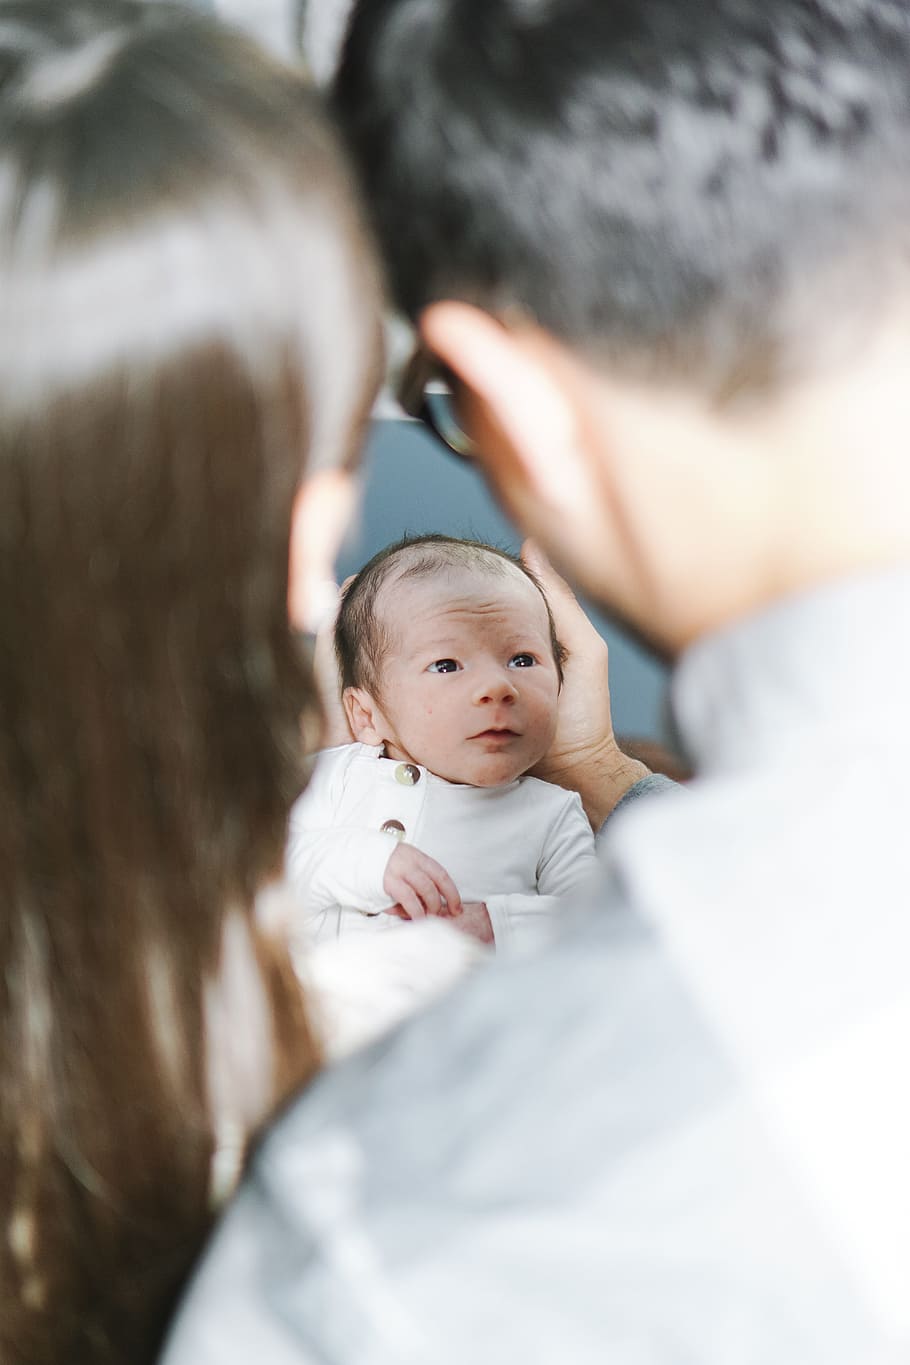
363, 715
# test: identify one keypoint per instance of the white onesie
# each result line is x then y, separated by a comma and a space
518, 848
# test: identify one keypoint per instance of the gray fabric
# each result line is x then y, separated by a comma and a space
677, 1135
652, 785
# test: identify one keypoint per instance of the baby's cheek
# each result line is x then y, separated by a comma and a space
548, 723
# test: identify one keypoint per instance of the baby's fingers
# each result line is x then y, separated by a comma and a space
419, 884
449, 892
424, 883
406, 896
434, 886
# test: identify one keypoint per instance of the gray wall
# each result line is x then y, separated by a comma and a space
413, 486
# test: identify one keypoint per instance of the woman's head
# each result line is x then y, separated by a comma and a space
188, 330
188, 325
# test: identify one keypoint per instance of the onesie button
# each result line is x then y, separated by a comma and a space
408, 774
393, 827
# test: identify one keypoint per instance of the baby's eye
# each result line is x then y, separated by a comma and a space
522, 661
444, 666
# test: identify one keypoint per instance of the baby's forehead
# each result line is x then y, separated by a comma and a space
487, 576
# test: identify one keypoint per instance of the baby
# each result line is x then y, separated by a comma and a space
450, 675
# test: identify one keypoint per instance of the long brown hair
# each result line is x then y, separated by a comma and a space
188, 321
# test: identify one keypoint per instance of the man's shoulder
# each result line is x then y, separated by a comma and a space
561, 1015
465, 1188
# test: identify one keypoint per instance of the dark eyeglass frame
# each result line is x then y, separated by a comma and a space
425, 393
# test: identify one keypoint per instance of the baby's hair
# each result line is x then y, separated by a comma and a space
362, 637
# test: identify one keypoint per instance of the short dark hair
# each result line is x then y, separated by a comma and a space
690, 191
362, 639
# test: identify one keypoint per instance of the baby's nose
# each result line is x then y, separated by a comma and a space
496, 685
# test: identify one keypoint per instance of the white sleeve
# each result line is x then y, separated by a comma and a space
567, 861
520, 916
330, 864
569, 857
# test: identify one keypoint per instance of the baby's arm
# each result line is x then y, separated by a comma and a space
339, 867
332, 864
568, 860
366, 870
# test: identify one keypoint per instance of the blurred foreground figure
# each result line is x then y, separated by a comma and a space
661, 250
188, 323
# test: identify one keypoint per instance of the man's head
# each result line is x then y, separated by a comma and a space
449, 658
699, 209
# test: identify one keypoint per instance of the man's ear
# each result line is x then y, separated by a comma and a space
319, 519
364, 715
520, 408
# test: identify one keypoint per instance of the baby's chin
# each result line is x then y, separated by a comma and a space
490, 770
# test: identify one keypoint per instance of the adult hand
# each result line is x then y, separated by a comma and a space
419, 885
584, 755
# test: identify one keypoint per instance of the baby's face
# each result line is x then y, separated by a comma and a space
470, 686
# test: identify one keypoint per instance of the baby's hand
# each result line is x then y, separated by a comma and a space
419, 885
474, 921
